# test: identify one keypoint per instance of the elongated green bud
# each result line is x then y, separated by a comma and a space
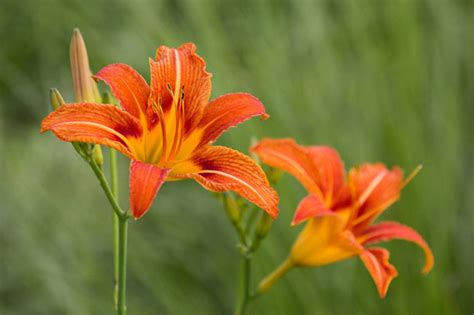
264, 226
85, 88
232, 208
97, 155
274, 175
254, 156
55, 98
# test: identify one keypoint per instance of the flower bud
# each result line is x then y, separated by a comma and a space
253, 155
264, 226
85, 88
232, 207
97, 155
274, 175
55, 98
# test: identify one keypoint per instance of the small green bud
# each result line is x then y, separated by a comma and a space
274, 175
232, 207
55, 98
97, 155
254, 156
84, 149
264, 226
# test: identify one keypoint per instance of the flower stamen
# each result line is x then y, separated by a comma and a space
178, 136
412, 175
161, 116
363, 197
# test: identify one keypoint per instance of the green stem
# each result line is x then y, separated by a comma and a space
122, 265
270, 280
244, 285
122, 226
115, 221
108, 192
113, 172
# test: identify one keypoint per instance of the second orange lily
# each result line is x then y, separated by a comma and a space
166, 129
339, 211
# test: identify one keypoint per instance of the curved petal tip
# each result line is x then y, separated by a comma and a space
145, 181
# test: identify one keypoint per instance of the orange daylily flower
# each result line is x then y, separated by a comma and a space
340, 211
166, 129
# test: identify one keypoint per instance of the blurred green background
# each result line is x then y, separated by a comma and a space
389, 81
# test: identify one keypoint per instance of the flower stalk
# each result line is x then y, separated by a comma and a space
115, 222
122, 265
251, 233
245, 272
273, 277
248, 245
106, 188
107, 99
120, 238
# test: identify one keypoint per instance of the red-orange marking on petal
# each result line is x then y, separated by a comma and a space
330, 171
145, 181
128, 87
382, 272
222, 169
386, 231
94, 123
192, 76
289, 156
375, 188
228, 111
308, 207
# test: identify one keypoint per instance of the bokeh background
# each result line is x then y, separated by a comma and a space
389, 81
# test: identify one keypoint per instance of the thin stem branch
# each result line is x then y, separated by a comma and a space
122, 218
122, 265
244, 284
273, 277
108, 192
250, 224
115, 221
114, 173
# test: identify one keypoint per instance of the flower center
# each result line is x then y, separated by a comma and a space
171, 128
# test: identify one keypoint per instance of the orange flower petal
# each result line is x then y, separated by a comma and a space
287, 155
386, 231
324, 241
330, 170
374, 188
145, 181
128, 87
94, 123
309, 207
228, 111
221, 169
184, 72
382, 272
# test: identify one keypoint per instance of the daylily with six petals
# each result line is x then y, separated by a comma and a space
166, 129
340, 211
